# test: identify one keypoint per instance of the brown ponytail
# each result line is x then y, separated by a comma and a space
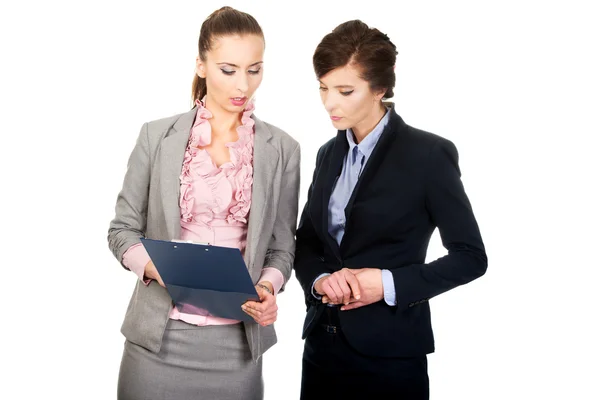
198, 88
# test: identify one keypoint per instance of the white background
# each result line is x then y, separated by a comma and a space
515, 85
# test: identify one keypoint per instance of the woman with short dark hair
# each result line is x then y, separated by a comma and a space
379, 190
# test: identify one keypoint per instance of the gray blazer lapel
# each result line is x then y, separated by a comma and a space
266, 158
172, 152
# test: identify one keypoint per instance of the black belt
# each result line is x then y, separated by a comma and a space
330, 320
332, 329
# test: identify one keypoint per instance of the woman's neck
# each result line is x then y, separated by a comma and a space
366, 126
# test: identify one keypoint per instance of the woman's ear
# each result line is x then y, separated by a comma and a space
379, 94
200, 69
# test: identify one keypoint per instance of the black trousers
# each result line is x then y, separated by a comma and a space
332, 369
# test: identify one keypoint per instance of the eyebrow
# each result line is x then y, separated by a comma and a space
339, 86
237, 66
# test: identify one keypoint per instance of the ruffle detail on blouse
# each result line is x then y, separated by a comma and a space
206, 190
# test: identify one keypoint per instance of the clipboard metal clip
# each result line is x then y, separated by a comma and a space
190, 241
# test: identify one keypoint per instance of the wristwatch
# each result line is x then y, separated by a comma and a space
264, 287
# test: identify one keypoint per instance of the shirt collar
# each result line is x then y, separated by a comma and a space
367, 145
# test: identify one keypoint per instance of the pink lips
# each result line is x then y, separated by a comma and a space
238, 103
333, 118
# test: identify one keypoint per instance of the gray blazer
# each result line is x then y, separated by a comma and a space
148, 205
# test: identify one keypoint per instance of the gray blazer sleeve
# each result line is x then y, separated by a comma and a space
129, 223
280, 253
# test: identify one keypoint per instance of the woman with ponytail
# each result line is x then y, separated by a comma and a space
216, 174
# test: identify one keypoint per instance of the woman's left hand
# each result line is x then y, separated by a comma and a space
265, 311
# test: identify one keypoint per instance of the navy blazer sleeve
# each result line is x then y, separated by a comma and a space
450, 210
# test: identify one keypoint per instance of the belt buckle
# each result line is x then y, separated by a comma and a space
330, 329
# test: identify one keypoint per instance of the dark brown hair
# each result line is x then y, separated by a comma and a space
223, 22
354, 43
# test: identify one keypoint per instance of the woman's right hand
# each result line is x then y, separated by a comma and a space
338, 288
150, 272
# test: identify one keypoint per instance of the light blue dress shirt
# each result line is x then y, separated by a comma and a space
354, 163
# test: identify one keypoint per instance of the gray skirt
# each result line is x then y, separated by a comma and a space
194, 362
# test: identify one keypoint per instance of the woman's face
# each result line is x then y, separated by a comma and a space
233, 71
347, 97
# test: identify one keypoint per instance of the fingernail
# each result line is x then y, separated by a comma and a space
343, 308
357, 296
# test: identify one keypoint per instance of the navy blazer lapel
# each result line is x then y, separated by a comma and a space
389, 134
332, 173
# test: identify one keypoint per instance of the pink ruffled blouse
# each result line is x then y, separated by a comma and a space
214, 202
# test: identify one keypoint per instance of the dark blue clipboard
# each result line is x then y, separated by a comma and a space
203, 277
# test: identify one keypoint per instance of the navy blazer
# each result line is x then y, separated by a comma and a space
410, 185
